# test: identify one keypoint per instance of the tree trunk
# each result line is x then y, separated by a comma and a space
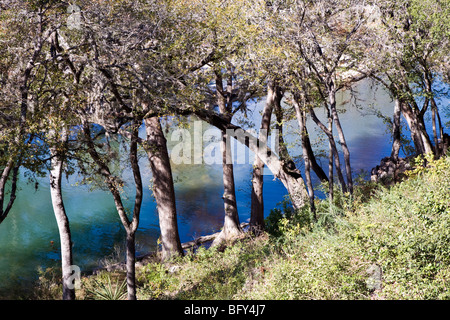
439, 136
285, 171
257, 205
231, 226
332, 142
129, 226
330, 163
163, 188
131, 265
396, 144
345, 150
62, 220
416, 125
312, 158
290, 177
10, 165
301, 118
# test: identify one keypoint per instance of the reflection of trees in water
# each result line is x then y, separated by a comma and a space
196, 190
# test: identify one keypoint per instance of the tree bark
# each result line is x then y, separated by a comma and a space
334, 150
257, 204
231, 226
416, 125
301, 118
440, 136
131, 265
330, 162
163, 188
290, 177
396, 144
57, 160
345, 150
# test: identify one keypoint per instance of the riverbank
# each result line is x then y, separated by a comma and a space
387, 243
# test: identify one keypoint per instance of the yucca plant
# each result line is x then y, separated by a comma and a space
105, 290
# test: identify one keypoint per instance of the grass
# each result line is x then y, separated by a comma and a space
404, 230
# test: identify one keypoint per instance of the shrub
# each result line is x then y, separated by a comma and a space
407, 232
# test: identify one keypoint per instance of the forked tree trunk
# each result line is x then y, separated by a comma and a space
163, 188
333, 148
57, 160
111, 181
416, 125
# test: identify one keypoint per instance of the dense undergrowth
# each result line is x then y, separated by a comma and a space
404, 230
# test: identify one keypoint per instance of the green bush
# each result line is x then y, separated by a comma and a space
407, 232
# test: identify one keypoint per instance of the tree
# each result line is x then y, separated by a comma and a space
21, 47
257, 202
410, 35
43, 90
319, 44
114, 185
163, 189
134, 59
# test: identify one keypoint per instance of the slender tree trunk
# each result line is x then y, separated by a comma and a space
342, 140
428, 79
332, 142
5, 175
440, 137
396, 144
62, 220
163, 188
231, 226
257, 204
131, 266
304, 134
132, 226
435, 135
312, 158
129, 226
330, 162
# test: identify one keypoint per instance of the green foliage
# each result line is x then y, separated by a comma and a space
153, 280
102, 288
285, 219
406, 231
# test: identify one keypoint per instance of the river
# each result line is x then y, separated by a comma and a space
29, 238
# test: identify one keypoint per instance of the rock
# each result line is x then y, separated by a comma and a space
174, 269
390, 170
375, 279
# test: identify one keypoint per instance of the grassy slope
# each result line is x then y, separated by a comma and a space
405, 230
